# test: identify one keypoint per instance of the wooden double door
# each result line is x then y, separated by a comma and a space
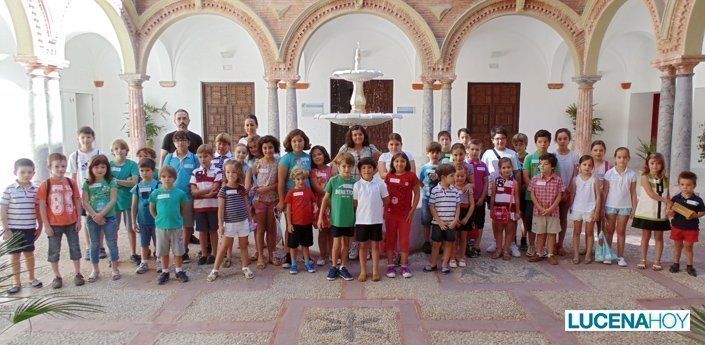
380, 99
225, 106
491, 105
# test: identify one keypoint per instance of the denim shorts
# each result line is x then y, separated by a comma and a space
618, 211
426, 215
55, 242
147, 234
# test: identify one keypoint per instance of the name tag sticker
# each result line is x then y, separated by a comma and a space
116, 169
501, 189
347, 185
96, 185
145, 189
264, 170
231, 191
481, 169
693, 202
535, 161
394, 180
188, 166
164, 196
298, 193
540, 183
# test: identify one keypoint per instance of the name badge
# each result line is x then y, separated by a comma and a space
298, 193
501, 189
394, 180
264, 170
535, 161
231, 191
163, 196
116, 169
188, 166
692, 202
481, 169
346, 186
96, 185
145, 190
540, 183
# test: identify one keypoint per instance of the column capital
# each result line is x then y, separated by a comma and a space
271, 81
683, 64
37, 67
134, 79
586, 81
447, 83
667, 70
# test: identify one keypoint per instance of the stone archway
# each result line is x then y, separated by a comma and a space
238, 13
557, 15
20, 23
397, 12
692, 35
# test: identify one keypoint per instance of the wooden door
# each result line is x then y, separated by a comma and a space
491, 105
225, 106
380, 99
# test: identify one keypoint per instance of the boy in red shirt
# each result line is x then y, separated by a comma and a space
300, 207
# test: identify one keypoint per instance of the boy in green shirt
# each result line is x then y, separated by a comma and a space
125, 173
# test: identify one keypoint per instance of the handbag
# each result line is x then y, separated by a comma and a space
603, 252
500, 214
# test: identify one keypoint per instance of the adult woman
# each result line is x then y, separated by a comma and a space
357, 143
251, 126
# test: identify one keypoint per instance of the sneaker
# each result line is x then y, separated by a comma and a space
343, 273
136, 259
78, 280
332, 274
523, 244
13, 290
427, 247
391, 273
492, 248
287, 261
294, 268
36, 284
453, 264
675, 268
354, 251
621, 262
57, 283
202, 260
321, 262
553, 260
163, 278
142, 268
182, 276
309, 266
406, 272
186, 258
514, 250
531, 251
445, 270
429, 268
247, 272
691, 271
102, 254
211, 260
159, 265
462, 263
212, 276
607, 262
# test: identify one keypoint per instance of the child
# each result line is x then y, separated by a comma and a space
78, 168
60, 206
241, 155
429, 179
339, 196
650, 214
321, 172
143, 220
371, 198
233, 218
404, 195
568, 163
253, 151
464, 136
546, 192
205, 184
385, 159
620, 191
125, 173
445, 141
261, 181
684, 231
148, 153
184, 162
99, 199
597, 150
445, 208
519, 142
504, 208
585, 196
167, 205
223, 141
542, 139
300, 203
18, 216
458, 157
467, 206
479, 193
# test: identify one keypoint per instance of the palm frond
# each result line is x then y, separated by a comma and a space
55, 305
701, 143
645, 149
697, 324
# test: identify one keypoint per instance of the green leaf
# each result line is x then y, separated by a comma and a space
55, 305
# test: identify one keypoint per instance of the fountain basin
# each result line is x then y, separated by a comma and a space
357, 75
351, 119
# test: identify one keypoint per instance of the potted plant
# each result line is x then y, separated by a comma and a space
701, 143
153, 129
572, 112
645, 149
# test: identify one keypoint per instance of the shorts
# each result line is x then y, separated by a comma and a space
302, 236
188, 215
26, 244
581, 216
438, 235
238, 229
477, 221
172, 239
147, 234
426, 215
618, 211
206, 221
264, 206
71, 238
546, 225
398, 230
126, 216
463, 213
340, 232
690, 236
368, 232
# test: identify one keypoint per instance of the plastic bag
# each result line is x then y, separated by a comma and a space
280, 222
603, 252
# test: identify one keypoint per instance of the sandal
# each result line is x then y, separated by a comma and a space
274, 261
641, 265
247, 272
588, 260
212, 276
93, 277
260, 264
506, 256
497, 255
576, 261
116, 275
656, 266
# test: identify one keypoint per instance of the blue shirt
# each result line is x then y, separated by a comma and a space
184, 167
292, 160
143, 190
428, 178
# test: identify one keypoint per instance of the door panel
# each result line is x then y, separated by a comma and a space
491, 105
225, 106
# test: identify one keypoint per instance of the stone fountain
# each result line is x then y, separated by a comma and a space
357, 115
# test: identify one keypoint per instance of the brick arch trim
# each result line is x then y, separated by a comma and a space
24, 39
396, 11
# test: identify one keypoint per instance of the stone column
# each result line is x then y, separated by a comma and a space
52, 94
665, 112
273, 106
446, 116
291, 107
135, 99
583, 123
427, 114
38, 120
682, 120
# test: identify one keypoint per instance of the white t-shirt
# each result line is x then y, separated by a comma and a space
387, 158
369, 196
492, 162
566, 164
619, 195
79, 165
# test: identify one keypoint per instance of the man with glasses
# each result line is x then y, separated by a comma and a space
182, 120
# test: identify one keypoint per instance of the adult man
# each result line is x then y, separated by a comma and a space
182, 120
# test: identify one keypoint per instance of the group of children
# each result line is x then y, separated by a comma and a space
228, 194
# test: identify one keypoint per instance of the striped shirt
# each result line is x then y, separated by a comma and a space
204, 179
21, 206
445, 200
235, 203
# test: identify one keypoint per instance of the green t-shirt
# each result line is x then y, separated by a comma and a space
342, 208
168, 204
123, 172
99, 195
531, 163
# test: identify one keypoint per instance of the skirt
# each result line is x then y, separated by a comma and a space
650, 224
